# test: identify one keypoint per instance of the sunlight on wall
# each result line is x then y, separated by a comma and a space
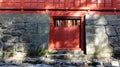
17, 58
96, 37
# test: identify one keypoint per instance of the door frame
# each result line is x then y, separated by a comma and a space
82, 45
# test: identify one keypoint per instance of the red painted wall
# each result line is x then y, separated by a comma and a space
60, 7
60, 4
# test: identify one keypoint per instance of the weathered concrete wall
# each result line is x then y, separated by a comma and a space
102, 35
21, 32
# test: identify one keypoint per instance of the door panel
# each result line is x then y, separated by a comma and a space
65, 34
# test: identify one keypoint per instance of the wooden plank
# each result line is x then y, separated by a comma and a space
83, 3
114, 3
46, 4
77, 3
33, 5
108, 1
60, 4
101, 5
66, 4
42, 0
88, 3
101, 1
27, 0
108, 5
35, 0
17, 5
42, 6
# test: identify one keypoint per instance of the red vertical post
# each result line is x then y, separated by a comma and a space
83, 45
50, 45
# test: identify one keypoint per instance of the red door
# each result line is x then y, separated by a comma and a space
65, 34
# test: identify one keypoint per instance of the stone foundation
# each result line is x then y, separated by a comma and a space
29, 33
102, 35
26, 33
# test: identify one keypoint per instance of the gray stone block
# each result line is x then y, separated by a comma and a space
94, 19
110, 31
107, 64
5, 18
17, 19
32, 31
37, 39
8, 46
110, 17
114, 22
20, 47
92, 16
90, 38
100, 30
17, 32
31, 28
31, 25
13, 39
115, 63
36, 18
114, 41
43, 28
118, 36
5, 38
117, 49
117, 29
20, 26
90, 22
90, 29
101, 21
101, 39
7, 32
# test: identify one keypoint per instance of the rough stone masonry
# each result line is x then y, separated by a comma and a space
21, 32
102, 35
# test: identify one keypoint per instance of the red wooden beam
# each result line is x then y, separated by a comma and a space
106, 8
83, 4
83, 47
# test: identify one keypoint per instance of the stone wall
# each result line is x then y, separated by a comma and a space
102, 35
23, 32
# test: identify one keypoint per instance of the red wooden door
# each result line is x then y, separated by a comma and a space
65, 34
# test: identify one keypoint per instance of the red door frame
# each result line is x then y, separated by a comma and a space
82, 45
83, 36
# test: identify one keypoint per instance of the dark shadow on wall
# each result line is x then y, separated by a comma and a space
113, 31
